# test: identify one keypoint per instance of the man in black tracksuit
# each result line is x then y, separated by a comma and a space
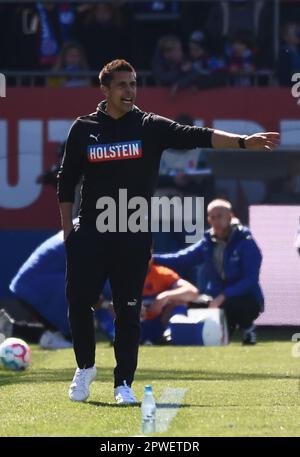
117, 147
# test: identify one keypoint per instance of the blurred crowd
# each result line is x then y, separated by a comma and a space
183, 44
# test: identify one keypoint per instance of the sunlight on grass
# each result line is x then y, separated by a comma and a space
231, 391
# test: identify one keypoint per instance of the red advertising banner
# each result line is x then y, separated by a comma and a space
34, 121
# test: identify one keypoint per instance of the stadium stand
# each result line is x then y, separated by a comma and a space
133, 29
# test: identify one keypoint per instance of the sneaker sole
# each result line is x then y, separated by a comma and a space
123, 403
78, 401
127, 402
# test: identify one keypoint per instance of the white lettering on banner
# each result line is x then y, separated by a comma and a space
30, 157
296, 87
31, 151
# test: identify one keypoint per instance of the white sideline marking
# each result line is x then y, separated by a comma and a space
167, 407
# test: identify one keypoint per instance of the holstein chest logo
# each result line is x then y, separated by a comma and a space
114, 151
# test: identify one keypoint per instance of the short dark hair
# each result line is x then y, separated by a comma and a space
106, 74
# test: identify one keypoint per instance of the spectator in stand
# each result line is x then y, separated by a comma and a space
71, 59
240, 61
37, 33
103, 35
150, 20
198, 53
210, 68
227, 18
193, 16
289, 56
56, 26
170, 66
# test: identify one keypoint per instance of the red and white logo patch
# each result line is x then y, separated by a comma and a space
114, 151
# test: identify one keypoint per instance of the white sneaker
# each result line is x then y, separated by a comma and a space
80, 387
54, 340
124, 395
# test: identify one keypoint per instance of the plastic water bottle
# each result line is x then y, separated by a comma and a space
148, 411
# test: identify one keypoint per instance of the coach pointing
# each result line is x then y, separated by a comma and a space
122, 257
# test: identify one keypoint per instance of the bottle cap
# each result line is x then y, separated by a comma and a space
148, 389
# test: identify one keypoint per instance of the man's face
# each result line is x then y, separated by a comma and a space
219, 219
121, 93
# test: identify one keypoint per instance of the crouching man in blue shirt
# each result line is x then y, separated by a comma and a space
231, 262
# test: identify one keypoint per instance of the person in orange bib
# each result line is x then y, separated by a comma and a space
164, 295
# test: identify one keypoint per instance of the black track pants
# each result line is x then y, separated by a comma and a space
91, 259
241, 310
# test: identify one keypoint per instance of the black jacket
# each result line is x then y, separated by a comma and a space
119, 154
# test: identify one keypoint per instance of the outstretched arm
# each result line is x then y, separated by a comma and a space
184, 260
263, 140
177, 136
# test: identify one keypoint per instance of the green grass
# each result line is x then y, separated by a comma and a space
232, 391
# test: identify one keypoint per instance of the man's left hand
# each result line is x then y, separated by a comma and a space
265, 140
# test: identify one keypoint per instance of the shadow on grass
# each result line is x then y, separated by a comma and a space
138, 405
270, 333
111, 405
106, 375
